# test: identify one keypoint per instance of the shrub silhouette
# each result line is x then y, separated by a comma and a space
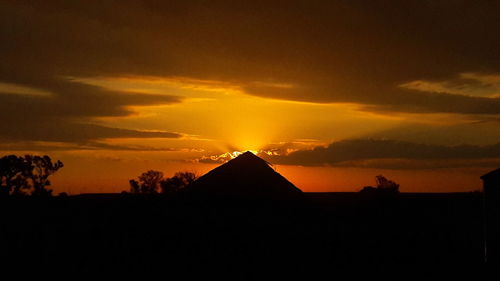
383, 186
179, 181
134, 186
149, 182
63, 194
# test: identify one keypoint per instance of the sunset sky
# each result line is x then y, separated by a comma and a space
331, 92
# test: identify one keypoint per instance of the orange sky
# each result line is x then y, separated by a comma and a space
84, 174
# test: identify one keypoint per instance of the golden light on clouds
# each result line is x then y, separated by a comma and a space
230, 115
469, 84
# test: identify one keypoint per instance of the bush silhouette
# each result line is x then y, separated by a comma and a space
148, 183
383, 186
134, 186
179, 181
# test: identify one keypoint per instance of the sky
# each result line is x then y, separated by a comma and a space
332, 93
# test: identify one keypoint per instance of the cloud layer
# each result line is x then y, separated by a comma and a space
382, 56
391, 154
331, 51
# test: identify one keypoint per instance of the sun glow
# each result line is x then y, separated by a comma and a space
224, 157
232, 155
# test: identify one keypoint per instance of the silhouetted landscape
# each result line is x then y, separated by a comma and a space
249, 140
232, 223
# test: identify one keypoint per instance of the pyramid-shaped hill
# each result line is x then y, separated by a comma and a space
246, 176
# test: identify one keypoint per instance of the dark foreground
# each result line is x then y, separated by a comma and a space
326, 236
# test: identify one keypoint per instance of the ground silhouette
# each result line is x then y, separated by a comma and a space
250, 235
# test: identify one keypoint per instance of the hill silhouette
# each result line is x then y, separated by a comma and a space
246, 176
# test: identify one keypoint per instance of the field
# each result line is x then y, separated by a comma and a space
208, 238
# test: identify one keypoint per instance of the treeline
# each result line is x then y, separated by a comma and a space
153, 182
27, 175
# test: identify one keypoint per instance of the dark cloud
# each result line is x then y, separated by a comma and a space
57, 146
75, 132
65, 116
329, 51
76, 102
385, 99
101, 145
465, 132
407, 164
389, 154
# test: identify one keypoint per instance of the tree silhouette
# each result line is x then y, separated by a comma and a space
13, 175
148, 182
42, 168
18, 174
179, 181
385, 184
